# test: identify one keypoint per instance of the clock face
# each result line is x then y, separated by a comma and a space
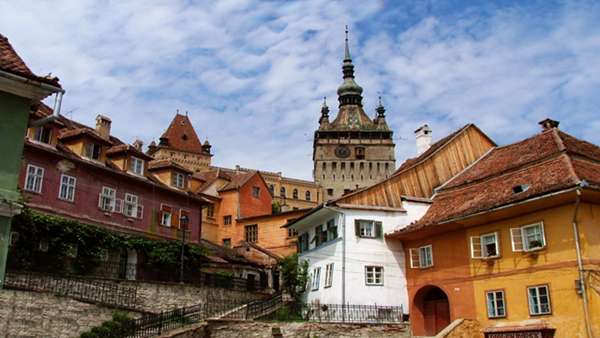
342, 151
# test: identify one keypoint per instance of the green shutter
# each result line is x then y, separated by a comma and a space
357, 227
378, 230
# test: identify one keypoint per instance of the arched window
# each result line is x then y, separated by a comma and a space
282, 192
272, 188
307, 195
295, 193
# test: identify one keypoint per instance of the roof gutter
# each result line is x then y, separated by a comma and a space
46, 87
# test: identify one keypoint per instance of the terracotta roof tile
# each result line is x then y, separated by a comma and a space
238, 180
181, 135
65, 134
11, 62
166, 163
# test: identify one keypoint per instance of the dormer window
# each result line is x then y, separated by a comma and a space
43, 135
93, 151
178, 180
136, 166
521, 188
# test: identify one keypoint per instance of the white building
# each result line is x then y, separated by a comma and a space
350, 261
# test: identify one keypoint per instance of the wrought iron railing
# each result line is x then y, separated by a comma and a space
348, 313
78, 288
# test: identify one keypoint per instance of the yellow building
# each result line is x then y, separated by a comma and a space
528, 214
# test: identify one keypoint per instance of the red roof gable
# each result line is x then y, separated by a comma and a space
11, 62
181, 135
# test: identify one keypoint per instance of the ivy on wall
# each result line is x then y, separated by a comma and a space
56, 239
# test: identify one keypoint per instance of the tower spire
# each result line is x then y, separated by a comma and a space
349, 92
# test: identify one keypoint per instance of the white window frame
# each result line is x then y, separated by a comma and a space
178, 180
67, 188
34, 178
421, 257
539, 304
496, 304
373, 275
316, 278
109, 202
131, 207
40, 133
329, 275
367, 228
479, 246
136, 166
166, 217
93, 151
521, 240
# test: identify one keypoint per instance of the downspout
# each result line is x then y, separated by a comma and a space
57, 104
580, 264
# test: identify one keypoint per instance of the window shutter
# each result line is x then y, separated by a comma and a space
175, 219
476, 251
357, 227
118, 206
100, 201
414, 258
305, 240
543, 234
140, 211
319, 235
299, 244
517, 239
378, 230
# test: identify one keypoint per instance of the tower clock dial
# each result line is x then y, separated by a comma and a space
342, 151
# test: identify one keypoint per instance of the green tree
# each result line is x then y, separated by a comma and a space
294, 272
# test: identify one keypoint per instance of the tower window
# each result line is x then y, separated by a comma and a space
360, 153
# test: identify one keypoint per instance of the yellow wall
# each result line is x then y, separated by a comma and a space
556, 266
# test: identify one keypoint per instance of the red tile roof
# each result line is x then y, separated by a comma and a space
551, 161
181, 135
238, 180
166, 163
10, 62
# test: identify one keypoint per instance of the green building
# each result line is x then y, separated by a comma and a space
19, 89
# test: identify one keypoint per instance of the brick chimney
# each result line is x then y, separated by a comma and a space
548, 124
423, 136
138, 144
103, 126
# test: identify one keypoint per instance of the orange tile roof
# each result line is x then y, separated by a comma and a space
238, 180
181, 135
551, 161
166, 163
10, 62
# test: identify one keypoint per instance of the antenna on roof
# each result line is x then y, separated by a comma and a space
186, 112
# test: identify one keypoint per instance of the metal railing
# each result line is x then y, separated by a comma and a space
347, 313
77, 288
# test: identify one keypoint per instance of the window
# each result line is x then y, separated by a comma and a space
495, 304
316, 277
14, 238
93, 151
320, 235
332, 232
255, 191
272, 188
529, 237
251, 232
166, 213
485, 246
132, 208
227, 242
282, 192
303, 242
44, 245
33, 181
539, 300
307, 195
374, 275
43, 135
368, 228
421, 257
292, 233
210, 211
136, 166
178, 180
108, 202
330, 192
295, 193
329, 275
360, 153
67, 188
226, 220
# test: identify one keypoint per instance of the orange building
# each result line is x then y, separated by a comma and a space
512, 242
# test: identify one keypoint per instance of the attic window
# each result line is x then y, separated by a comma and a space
521, 188
184, 137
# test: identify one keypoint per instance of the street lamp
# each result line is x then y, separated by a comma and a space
183, 226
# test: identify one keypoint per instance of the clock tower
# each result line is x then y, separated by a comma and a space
352, 151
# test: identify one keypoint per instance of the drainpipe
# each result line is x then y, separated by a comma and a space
579, 262
57, 104
57, 101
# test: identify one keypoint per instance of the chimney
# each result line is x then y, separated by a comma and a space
103, 126
548, 124
138, 145
423, 136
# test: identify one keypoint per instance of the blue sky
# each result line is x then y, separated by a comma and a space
252, 74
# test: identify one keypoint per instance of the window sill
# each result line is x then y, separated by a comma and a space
65, 200
33, 192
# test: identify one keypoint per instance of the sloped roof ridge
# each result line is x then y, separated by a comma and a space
12, 63
239, 180
182, 135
